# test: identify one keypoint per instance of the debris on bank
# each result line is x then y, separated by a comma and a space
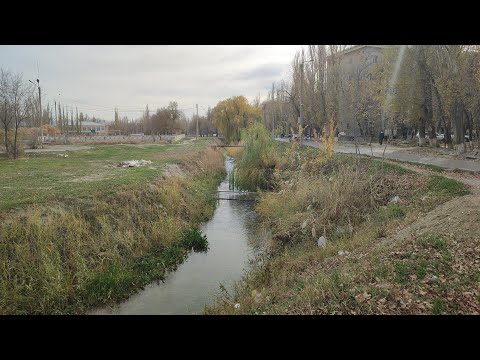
172, 170
133, 163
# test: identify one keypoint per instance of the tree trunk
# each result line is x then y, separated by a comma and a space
421, 132
6, 137
433, 136
459, 140
448, 135
5, 124
15, 149
469, 126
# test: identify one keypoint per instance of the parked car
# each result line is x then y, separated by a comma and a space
465, 137
293, 136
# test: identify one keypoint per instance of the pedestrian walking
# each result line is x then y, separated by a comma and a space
380, 137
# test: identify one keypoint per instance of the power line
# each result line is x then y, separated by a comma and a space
109, 107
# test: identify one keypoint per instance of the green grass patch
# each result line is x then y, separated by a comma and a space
432, 241
417, 267
379, 165
447, 186
389, 212
435, 168
381, 271
43, 177
439, 306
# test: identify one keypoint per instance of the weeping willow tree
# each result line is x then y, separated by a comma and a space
255, 169
232, 115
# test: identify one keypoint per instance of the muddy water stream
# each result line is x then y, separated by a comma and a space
234, 236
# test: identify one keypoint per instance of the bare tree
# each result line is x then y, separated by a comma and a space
6, 113
16, 105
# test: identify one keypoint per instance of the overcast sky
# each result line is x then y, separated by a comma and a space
98, 78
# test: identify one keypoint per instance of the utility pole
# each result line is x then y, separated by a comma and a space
40, 105
197, 123
41, 114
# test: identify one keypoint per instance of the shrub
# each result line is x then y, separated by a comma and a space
193, 239
346, 196
256, 167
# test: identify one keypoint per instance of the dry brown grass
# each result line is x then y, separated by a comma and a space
323, 196
235, 152
358, 272
62, 257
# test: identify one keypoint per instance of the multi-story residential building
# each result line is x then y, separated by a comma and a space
352, 68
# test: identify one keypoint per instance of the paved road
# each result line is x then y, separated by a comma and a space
400, 153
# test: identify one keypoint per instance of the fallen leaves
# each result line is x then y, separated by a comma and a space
362, 297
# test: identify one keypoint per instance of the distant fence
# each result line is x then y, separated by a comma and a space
62, 139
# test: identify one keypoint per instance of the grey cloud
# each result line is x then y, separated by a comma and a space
266, 71
133, 76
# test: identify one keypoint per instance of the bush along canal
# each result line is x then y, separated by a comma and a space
234, 238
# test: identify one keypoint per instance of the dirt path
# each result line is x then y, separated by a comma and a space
458, 218
403, 154
470, 179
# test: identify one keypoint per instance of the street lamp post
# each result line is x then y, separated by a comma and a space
40, 105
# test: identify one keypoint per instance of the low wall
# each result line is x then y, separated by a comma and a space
114, 139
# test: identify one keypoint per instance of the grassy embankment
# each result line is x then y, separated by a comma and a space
366, 266
82, 233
